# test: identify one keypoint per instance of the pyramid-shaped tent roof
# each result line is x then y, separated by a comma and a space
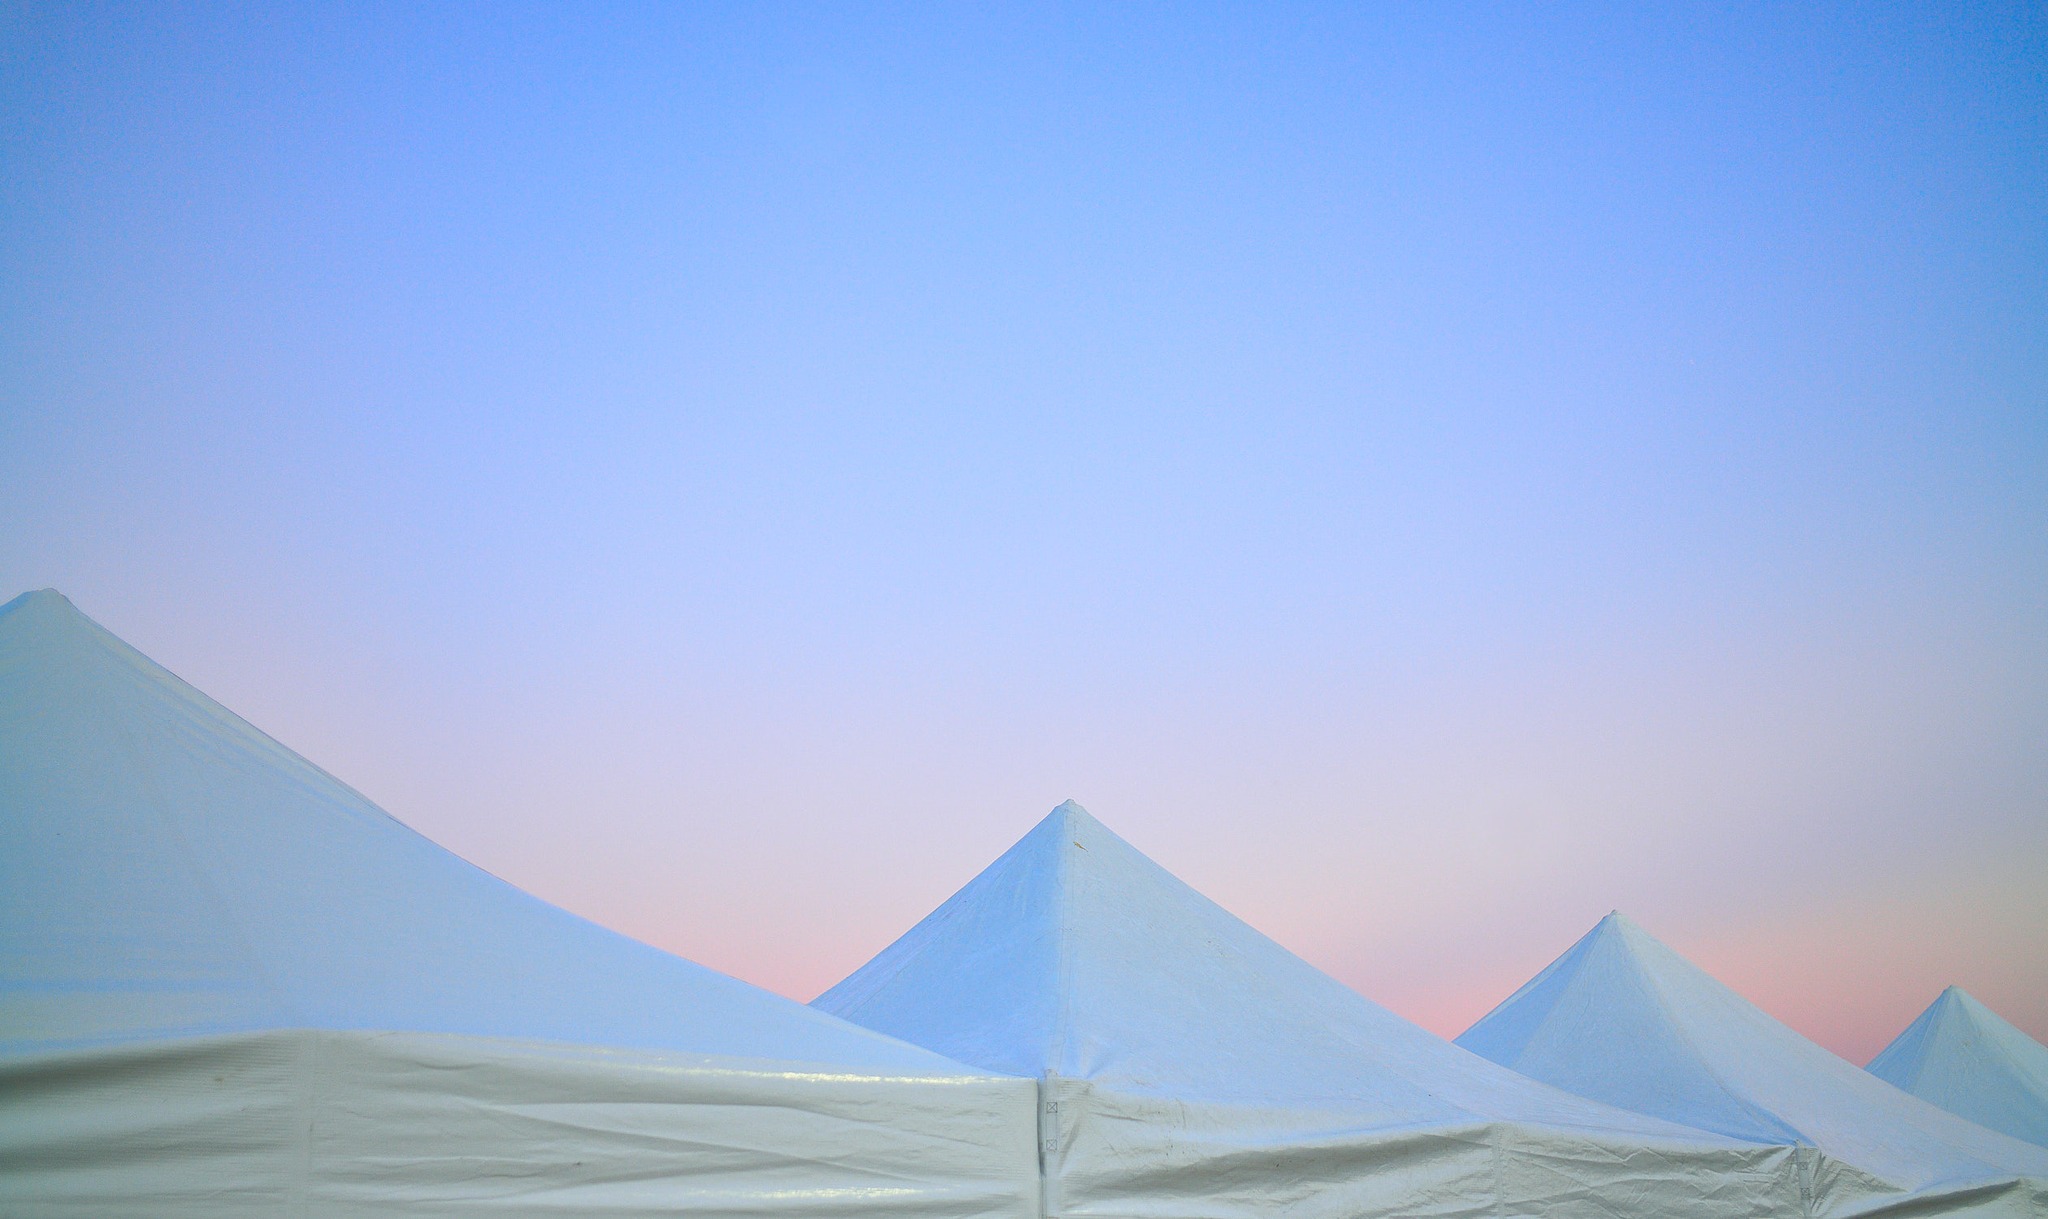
1624, 1019
168, 870
1965, 1058
1075, 955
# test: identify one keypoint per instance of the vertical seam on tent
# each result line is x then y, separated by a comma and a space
1063, 1006
1672, 1020
1499, 1140
1569, 959
307, 1067
1044, 1094
1063, 958
1911, 1047
1929, 1024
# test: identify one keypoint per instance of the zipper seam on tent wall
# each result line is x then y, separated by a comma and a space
1048, 1099
1048, 1137
1063, 960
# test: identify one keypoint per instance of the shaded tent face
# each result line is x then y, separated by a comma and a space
1185, 1055
1965, 1058
205, 940
1623, 1019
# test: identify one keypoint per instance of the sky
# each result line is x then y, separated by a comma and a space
1428, 475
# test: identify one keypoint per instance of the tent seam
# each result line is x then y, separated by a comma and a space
1671, 1018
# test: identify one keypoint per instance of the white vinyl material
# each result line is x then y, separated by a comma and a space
314, 1122
1192, 1067
1623, 1019
231, 985
1965, 1058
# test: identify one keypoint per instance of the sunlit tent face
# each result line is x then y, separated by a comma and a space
184, 903
1193, 1066
1623, 1019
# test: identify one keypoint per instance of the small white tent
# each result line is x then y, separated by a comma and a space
1623, 1019
1192, 1067
1967, 1059
229, 985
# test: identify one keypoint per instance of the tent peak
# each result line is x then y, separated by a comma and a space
1075, 956
46, 615
45, 599
1070, 811
1956, 999
1069, 827
1966, 1058
1617, 924
1620, 1017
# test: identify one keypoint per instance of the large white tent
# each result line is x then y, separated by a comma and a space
231, 985
1623, 1019
1192, 1067
1969, 1060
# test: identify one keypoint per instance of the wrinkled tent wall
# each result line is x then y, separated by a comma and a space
330, 1123
231, 985
1121, 1155
1192, 1067
1621, 1018
1963, 1057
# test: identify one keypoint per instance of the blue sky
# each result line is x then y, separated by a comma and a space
1428, 474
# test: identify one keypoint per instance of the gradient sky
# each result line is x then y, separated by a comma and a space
1428, 475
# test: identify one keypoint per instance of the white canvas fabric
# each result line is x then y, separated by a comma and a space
1192, 1067
1965, 1058
1623, 1019
231, 985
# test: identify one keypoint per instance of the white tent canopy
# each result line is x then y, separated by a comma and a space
1193, 1067
1965, 1058
1623, 1019
229, 984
